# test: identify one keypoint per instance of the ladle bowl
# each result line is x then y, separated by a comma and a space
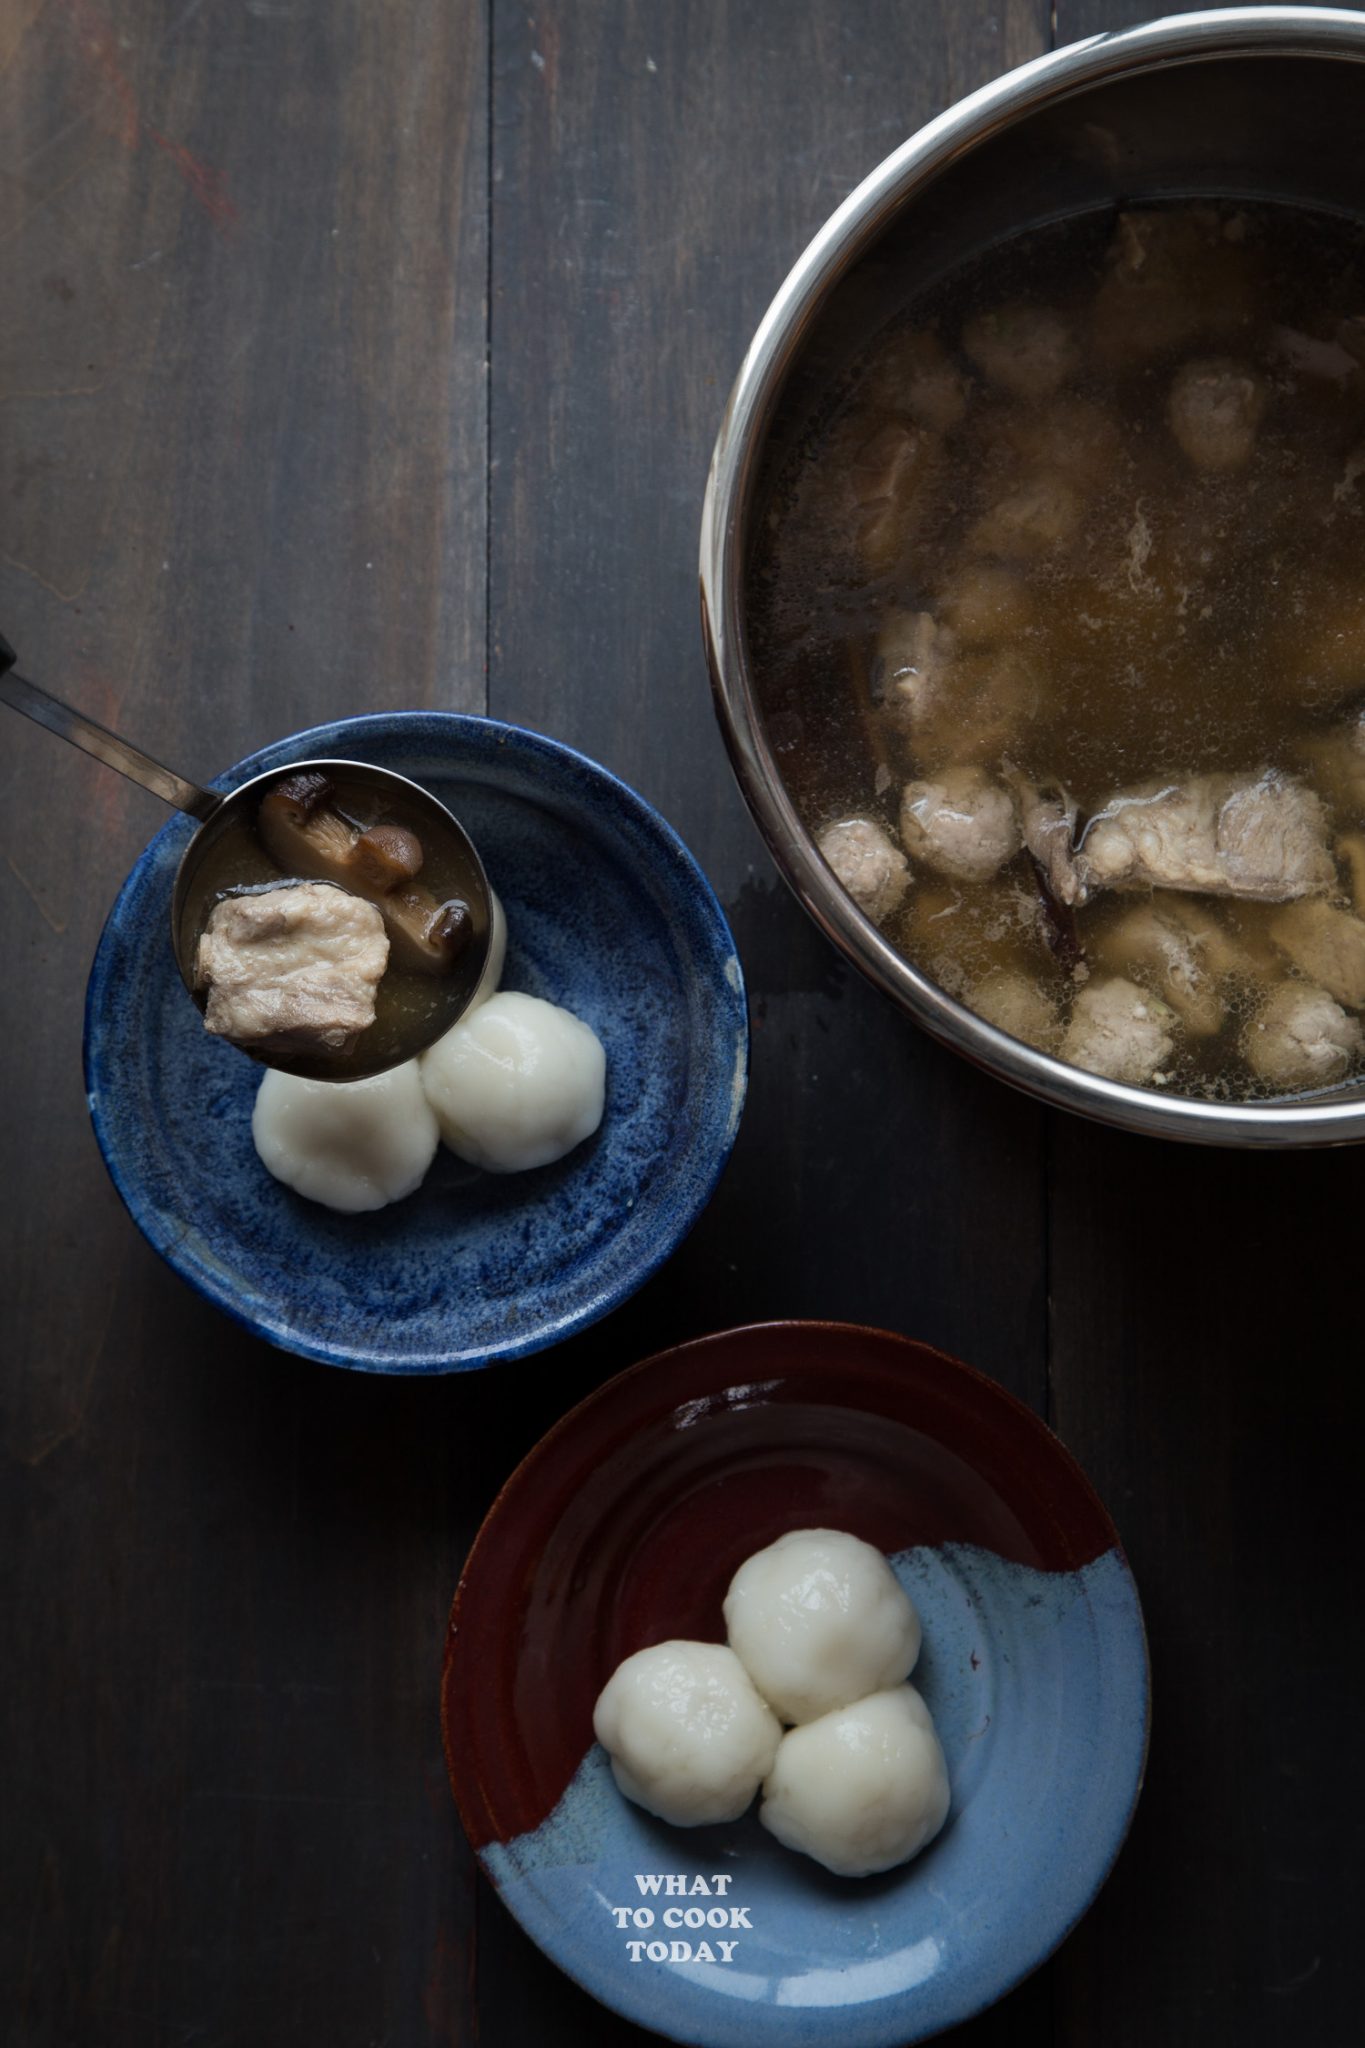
222, 813
452, 992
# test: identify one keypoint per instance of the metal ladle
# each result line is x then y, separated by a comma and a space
451, 993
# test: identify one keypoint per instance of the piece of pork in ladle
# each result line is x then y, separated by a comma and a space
292, 969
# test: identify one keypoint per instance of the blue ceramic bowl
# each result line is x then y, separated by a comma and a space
608, 914
623, 1528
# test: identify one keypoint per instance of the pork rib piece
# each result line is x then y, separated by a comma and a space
292, 969
1327, 945
1261, 836
1047, 823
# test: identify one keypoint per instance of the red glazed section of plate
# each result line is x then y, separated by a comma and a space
625, 1524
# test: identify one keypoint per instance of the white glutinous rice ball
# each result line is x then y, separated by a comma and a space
688, 1737
818, 1619
348, 1144
517, 1083
861, 1789
491, 977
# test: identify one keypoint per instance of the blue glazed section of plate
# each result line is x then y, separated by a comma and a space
608, 914
1038, 1684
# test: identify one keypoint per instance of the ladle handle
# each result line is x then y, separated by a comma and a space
106, 746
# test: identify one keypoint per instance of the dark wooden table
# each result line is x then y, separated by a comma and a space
361, 356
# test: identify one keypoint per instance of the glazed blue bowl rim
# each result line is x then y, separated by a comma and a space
331, 739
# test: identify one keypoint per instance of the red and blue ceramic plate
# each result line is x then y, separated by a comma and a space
623, 1528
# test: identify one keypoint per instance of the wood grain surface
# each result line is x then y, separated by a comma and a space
356, 357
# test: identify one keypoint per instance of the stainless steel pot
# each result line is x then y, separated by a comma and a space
1244, 102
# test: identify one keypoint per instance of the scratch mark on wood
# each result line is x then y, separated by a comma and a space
442, 1993
265, 1798
206, 185
182, 19
11, 25
62, 596
65, 391
1297, 1983
98, 41
48, 198
22, 879
54, 1439
40, 149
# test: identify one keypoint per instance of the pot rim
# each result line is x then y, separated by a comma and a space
1326, 32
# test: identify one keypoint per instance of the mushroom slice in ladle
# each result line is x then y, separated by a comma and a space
307, 836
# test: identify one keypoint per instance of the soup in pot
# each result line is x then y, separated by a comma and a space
1058, 619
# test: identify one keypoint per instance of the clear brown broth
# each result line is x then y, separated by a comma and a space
1197, 621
